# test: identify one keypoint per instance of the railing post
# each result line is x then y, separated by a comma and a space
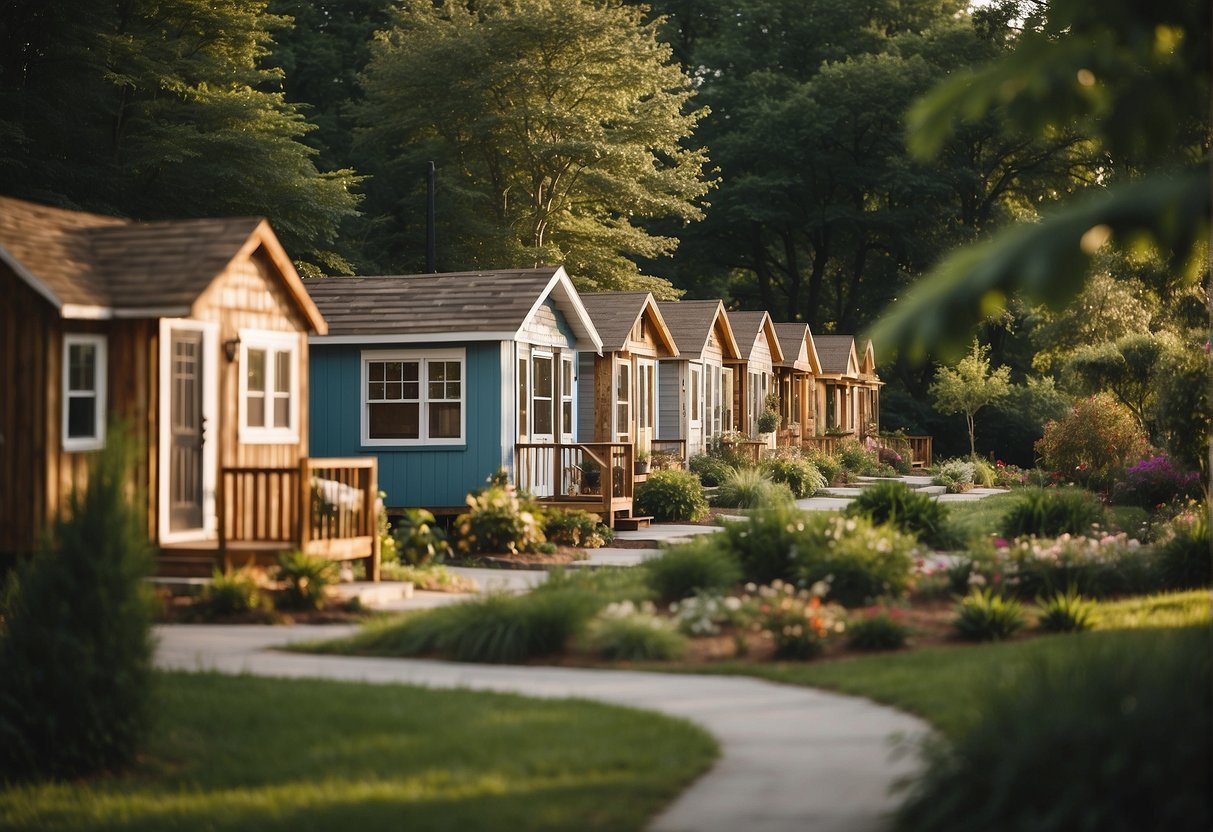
372, 518
303, 531
221, 518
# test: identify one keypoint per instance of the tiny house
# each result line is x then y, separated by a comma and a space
754, 371
696, 388
796, 380
445, 378
192, 332
838, 391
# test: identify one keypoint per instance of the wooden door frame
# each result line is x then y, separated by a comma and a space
210, 436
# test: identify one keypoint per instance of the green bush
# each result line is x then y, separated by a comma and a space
671, 496
711, 470
625, 634
768, 421
1184, 559
496, 628
1097, 438
796, 620
306, 579
1094, 566
861, 562
857, 459
1065, 612
985, 615
956, 475
1109, 731
906, 510
688, 568
1050, 512
828, 465
800, 475
418, 539
499, 520
574, 527
765, 543
750, 488
876, 630
76, 655
233, 593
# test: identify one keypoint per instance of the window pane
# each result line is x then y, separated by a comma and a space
524, 397
256, 411
82, 367
453, 390
394, 421
543, 377
566, 416
282, 371
623, 387
566, 377
444, 420
437, 390
376, 391
543, 416
437, 371
392, 370
282, 412
375, 371
411, 370
81, 417
409, 391
256, 371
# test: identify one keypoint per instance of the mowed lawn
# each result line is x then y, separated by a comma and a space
243, 753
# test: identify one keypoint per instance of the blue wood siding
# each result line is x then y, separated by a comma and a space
411, 476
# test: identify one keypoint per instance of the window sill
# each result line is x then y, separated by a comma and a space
255, 437
382, 446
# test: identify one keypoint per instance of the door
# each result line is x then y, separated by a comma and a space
646, 403
187, 430
695, 407
543, 423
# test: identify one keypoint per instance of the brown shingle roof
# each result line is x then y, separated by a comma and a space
746, 327
835, 352
93, 260
614, 314
792, 340
691, 322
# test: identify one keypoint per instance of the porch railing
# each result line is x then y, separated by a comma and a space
668, 453
599, 475
322, 506
750, 448
825, 444
921, 451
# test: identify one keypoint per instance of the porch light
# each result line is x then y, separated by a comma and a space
231, 348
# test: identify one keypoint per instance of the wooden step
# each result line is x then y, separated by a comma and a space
185, 565
631, 524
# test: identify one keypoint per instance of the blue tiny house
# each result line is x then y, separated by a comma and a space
443, 376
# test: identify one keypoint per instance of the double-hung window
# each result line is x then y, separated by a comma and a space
412, 397
269, 384
84, 376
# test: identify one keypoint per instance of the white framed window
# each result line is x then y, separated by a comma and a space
83, 383
542, 404
623, 401
567, 386
269, 387
413, 397
524, 395
696, 371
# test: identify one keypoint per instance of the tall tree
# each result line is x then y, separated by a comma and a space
970, 386
161, 108
558, 127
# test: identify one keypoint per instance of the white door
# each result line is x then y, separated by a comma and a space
646, 403
543, 422
695, 407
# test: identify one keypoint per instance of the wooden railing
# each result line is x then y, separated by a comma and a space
921, 451
668, 453
825, 444
751, 448
599, 475
323, 506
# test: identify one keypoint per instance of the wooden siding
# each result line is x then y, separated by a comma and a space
415, 475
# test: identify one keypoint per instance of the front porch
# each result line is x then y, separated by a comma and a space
599, 477
325, 507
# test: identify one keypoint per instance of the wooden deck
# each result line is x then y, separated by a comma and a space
593, 476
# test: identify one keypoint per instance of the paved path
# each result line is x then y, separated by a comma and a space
791, 758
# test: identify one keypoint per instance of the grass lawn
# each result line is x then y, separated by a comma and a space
243, 753
978, 518
945, 685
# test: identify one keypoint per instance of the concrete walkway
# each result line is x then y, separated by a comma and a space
791, 758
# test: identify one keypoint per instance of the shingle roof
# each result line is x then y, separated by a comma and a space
746, 327
792, 340
94, 260
494, 303
690, 323
835, 352
614, 314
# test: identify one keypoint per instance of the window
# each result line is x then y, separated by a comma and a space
695, 372
566, 395
413, 397
646, 398
84, 376
268, 404
543, 382
623, 401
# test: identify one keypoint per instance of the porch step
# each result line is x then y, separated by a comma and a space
185, 565
631, 524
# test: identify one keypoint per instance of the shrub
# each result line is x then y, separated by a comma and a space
685, 569
1051, 512
857, 459
877, 629
983, 473
1184, 558
621, 632
702, 613
711, 470
671, 496
765, 543
1065, 612
956, 475
418, 539
768, 421
1109, 564
829, 465
750, 488
1154, 482
233, 593
573, 527
387, 540
306, 579
860, 562
498, 520
896, 460
797, 620
1097, 437
76, 655
800, 475
985, 615
1112, 733
906, 510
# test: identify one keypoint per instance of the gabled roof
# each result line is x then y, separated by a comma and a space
747, 326
799, 348
867, 364
838, 356
469, 306
691, 323
616, 313
94, 266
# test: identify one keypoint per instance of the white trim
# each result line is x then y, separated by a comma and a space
272, 341
568, 432
100, 384
423, 357
414, 338
552, 399
83, 312
210, 409
508, 402
28, 276
561, 278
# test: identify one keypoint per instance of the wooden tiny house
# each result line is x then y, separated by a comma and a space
754, 371
192, 332
695, 394
796, 381
848, 392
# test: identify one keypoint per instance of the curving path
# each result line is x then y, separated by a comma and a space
791, 758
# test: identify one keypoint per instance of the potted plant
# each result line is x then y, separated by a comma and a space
641, 463
591, 476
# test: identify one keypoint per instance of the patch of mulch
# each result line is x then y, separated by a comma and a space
186, 609
562, 556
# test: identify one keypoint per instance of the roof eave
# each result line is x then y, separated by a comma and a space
28, 276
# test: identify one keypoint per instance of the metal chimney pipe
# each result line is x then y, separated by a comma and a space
431, 256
